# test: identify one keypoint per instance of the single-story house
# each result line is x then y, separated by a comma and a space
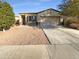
48, 16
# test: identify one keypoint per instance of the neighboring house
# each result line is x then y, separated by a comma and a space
51, 16
17, 18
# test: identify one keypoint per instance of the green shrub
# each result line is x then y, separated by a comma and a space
7, 17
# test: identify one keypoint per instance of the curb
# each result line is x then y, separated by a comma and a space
46, 37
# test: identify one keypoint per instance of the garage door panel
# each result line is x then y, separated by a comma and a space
51, 20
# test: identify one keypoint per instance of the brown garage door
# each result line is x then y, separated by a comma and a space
50, 20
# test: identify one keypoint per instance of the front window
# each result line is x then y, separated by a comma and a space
32, 18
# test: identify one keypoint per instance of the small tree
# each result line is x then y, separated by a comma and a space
70, 7
7, 18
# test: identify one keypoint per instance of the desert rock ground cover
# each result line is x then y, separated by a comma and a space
23, 35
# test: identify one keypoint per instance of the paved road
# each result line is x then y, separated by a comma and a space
23, 52
38, 52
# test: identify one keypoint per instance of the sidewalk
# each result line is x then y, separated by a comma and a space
38, 52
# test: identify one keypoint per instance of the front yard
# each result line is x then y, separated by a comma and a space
23, 35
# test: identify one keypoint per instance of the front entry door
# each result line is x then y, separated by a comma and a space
23, 20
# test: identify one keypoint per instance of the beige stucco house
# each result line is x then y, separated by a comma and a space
50, 15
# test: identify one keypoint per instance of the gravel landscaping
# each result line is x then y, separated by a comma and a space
23, 35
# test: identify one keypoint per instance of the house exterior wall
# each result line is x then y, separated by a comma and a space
28, 14
45, 13
17, 18
49, 15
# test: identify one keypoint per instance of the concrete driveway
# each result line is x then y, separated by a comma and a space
65, 41
61, 35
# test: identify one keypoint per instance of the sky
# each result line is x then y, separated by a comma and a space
20, 6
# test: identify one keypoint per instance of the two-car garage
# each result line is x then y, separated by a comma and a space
50, 21
49, 17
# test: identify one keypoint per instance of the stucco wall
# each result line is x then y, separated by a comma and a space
29, 14
17, 18
47, 13
49, 16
